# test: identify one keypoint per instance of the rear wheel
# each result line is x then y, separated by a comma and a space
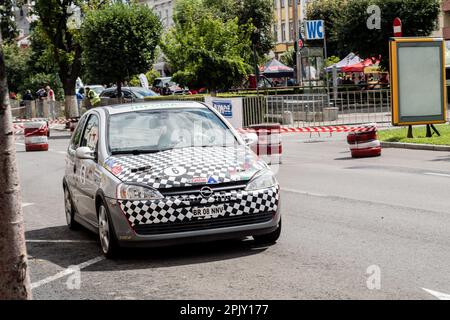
70, 211
269, 238
106, 233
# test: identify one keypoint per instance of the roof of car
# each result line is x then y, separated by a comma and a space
152, 105
127, 88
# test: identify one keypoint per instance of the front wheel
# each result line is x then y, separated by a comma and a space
106, 233
269, 238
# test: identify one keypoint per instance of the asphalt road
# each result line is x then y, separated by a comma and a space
345, 222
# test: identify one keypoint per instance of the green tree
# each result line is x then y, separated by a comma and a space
346, 24
7, 25
329, 11
63, 43
17, 61
288, 58
258, 13
419, 18
205, 51
119, 41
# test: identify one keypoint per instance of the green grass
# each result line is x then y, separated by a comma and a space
419, 133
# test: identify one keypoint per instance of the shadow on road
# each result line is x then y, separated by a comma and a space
67, 253
442, 158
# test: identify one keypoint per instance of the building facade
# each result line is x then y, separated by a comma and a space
283, 27
163, 9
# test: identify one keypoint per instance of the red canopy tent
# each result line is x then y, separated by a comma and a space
359, 67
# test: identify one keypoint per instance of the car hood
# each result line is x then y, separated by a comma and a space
186, 167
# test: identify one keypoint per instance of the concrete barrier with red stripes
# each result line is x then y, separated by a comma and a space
269, 146
36, 136
364, 144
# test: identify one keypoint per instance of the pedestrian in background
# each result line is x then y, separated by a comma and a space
80, 97
27, 98
93, 97
51, 102
41, 94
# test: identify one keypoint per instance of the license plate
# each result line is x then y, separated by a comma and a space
207, 211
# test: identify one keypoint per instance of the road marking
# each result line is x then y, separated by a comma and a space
439, 295
437, 174
26, 204
306, 193
58, 241
66, 272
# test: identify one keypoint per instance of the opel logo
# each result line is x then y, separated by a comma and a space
206, 192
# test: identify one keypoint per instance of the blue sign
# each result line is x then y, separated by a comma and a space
315, 30
224, 107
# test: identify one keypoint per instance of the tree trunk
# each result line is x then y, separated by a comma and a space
70, 99
119, 92
14, 274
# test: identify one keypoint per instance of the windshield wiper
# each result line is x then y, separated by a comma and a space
138, 151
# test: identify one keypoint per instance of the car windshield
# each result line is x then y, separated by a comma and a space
157, 130
144, 92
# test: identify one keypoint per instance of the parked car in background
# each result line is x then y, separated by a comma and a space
165, 86
97, 88
130, 94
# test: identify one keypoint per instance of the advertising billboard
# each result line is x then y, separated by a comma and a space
418, 85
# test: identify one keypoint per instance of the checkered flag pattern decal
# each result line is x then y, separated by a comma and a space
187, 163
175, 209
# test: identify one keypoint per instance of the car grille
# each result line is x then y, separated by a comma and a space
195, 190
203, 224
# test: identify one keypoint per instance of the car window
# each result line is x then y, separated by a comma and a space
109, 94
127, 94
75, 141
90, 135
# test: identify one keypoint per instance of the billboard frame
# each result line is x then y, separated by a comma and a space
394, 45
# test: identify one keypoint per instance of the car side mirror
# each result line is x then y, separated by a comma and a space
85, 153
250, 138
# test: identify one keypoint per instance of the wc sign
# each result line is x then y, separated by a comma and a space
315, 30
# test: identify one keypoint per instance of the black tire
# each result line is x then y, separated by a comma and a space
269, 238
106, 233
69, 210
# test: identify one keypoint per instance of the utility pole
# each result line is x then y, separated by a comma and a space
296, 37
14, 272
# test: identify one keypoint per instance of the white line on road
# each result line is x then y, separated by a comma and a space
437, 174
26, 204
66, 272
58, 241
439, 295
306, 193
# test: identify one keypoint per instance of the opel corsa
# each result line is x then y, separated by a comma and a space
154, 174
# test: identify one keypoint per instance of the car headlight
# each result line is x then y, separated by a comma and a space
262, 180
135, 192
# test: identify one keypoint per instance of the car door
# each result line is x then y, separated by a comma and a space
86, 170
71, 159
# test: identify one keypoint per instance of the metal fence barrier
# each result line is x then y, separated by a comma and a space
319, 108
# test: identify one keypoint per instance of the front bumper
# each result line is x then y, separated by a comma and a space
170, 220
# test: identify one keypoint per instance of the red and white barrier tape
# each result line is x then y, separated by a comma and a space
314, 129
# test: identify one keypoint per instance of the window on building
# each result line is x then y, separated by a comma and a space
290, 3
291, 31
275, 32
282, 3
283, 32
275, 4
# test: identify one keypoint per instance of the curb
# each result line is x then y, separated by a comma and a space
414, 146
